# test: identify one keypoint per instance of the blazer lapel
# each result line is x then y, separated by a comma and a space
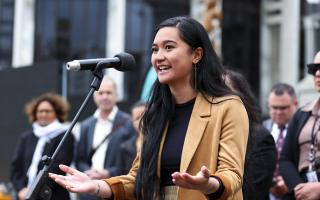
197, 125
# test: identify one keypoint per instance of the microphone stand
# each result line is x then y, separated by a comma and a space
39, 190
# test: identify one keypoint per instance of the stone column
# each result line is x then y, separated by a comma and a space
24, 31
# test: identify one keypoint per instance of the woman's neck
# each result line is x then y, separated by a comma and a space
183, 94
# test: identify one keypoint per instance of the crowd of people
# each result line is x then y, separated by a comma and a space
198, 135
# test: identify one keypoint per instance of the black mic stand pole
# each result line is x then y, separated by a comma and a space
39, 190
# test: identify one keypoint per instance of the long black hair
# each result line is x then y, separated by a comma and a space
161, 103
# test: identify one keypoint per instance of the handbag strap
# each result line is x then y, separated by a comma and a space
114, 129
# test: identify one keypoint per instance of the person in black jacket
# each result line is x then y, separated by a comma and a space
128, 149
261, 153
46, 113
300, 156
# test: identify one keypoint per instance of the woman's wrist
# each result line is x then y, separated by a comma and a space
97, 192
217, 188
101, 189
212, 186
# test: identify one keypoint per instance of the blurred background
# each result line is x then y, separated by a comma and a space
267, 40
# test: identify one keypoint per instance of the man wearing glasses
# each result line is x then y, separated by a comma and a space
300, 156
282, 103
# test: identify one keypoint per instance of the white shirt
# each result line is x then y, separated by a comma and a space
275, 131
102, 129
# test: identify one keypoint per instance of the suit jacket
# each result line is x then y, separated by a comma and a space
289, 159
128, 151
84, 146
218, 129
22, 159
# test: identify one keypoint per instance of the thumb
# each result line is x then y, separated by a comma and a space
205, 171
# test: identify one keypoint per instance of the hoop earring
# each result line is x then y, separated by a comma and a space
195, 71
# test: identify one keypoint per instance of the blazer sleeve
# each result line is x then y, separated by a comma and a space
232, 147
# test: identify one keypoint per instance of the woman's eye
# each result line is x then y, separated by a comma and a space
153, 49
168, 47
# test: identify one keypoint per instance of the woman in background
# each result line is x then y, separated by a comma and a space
46, 113
261, 154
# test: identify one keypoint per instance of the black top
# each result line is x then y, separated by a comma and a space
172, 148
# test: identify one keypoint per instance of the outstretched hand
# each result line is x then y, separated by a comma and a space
78, 182
201, 181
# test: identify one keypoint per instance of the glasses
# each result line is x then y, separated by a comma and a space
281, 108
45, 111
313, 68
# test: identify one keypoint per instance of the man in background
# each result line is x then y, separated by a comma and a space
282, 103
97, 149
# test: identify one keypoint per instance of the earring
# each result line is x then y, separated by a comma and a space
195, 71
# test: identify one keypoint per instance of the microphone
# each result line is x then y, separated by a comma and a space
121, 62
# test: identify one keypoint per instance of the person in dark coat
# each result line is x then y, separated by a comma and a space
46, 113
300, 156
128, 149
261, 155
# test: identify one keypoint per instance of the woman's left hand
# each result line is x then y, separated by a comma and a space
201, 181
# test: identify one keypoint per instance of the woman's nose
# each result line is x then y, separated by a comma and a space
159, 55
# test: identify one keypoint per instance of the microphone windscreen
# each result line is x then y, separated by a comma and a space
127, 61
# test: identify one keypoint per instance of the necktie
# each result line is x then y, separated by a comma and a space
279, 145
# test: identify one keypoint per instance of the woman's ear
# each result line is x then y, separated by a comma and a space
197, 54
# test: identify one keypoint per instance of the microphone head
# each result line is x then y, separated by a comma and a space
73, 65
127, 61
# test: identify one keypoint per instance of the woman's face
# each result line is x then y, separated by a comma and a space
45, 113
171, 57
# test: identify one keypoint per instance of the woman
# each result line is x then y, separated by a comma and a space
300, 156
46, 113
194, 130
261, 154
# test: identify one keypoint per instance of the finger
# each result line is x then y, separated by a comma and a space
184, 180
297, 195
298, 187
67, 169
55, 176
205, 171
60, 180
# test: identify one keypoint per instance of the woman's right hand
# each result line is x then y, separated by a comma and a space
78, 182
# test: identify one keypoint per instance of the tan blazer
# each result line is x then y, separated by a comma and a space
216, 137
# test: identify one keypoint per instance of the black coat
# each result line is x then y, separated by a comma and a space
289, 158
128, 151
261, 158
22, 159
